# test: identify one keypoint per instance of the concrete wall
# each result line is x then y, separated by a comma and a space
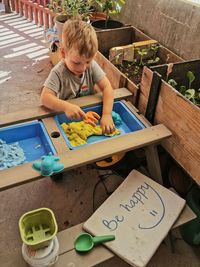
174, 23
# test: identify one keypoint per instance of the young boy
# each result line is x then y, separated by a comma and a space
77, 74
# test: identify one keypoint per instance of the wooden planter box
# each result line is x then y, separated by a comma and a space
116, 77
176, 112
122, 55
117, 37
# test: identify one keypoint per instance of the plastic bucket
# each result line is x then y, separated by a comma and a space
44, 257
38, 227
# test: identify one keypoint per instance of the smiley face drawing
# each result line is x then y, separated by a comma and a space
145, 195
155, 215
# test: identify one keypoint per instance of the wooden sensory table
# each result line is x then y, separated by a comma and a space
147, 138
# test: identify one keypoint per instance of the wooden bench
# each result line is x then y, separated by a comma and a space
70, 258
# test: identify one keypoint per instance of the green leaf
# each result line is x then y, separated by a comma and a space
182, 89
191, 77
172, 82
189, 94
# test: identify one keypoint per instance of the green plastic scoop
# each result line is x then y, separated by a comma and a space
85, 242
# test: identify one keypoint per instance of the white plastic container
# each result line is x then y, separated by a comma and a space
44, 257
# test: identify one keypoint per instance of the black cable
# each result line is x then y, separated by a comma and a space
93, 195
102, 179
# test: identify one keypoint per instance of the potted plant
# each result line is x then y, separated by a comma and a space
65, 9
109, 7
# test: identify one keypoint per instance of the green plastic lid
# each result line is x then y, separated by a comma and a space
37, 227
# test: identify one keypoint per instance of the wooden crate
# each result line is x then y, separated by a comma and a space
127, 59
117, 37
116, 77
180, 115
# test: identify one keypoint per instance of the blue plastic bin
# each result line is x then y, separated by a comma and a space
32, 138
130, 123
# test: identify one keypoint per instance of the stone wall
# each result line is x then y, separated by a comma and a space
174, 23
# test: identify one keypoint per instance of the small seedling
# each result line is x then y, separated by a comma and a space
191, 78
154, 48
117, 59
141, 52
172, 82
136, 70
153, 61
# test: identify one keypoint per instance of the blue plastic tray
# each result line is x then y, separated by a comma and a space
32, 138
130, 123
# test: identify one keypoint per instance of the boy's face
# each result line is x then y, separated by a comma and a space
75, 63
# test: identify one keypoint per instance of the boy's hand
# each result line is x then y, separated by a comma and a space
107, 124
74, 112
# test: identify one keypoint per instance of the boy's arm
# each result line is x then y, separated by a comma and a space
49, 99
107, 123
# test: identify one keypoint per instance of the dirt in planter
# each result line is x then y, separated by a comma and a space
142, 56
134, 71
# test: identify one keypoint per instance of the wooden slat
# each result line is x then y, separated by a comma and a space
120, 36
76, 158
97, 255
168, 56
153, 97
41, 112
145, 85
66, 237
129, 105
133, 88
128, 51
115, 76
135, 111
58, 142
67, 254
186, 215
153, 163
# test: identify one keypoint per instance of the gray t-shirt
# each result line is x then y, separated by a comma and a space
66, 85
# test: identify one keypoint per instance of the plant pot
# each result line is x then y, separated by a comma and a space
93, 16
109, 24
59, 21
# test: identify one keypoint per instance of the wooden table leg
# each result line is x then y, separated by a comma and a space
153, 163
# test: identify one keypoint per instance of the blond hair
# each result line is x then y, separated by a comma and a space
80, 35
